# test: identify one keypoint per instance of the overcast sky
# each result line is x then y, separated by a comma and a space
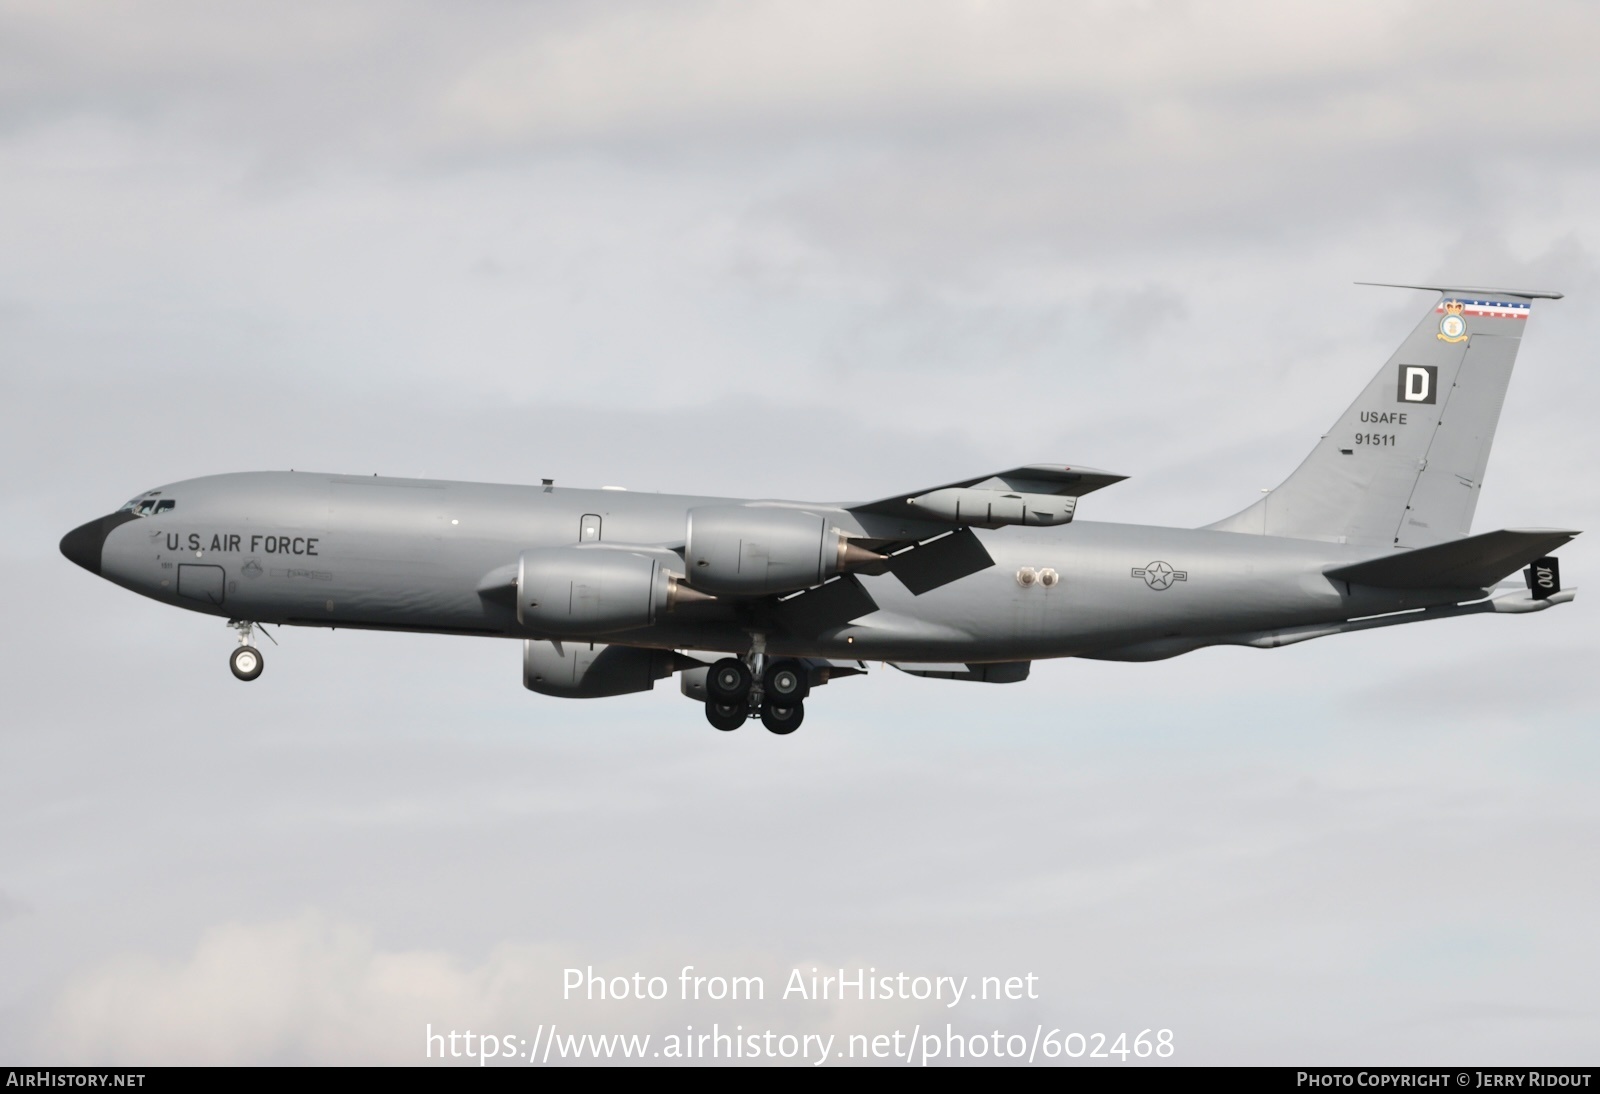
814, 250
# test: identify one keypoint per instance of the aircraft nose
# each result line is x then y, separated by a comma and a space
84, 543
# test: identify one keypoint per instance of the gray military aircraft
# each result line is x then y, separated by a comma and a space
610, 591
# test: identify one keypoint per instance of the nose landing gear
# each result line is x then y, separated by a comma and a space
246, 661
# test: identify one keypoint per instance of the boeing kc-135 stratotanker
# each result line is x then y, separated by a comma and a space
754, 603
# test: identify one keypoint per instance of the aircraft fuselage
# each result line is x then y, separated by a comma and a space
408, 554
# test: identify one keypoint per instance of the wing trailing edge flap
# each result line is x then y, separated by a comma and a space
824, 607
1474, 562
937, 562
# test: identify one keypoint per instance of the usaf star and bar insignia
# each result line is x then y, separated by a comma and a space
1159, 575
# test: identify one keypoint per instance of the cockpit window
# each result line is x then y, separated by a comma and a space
149, 505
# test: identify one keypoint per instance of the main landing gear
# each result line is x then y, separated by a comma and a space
245, 661
726, 716
777, 696
782, 719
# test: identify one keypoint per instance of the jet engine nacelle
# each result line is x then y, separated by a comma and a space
591, 670
588, 590
738, 550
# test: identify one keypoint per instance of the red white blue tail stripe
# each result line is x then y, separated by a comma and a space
1491, 309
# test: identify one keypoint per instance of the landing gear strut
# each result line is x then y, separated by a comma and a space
246, 661
741, 688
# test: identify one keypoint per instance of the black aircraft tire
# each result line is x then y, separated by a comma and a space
729, 681
246, 662
785, 682
783, 719
726, 716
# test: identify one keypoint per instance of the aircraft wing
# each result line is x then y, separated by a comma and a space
1036, 479
928, 536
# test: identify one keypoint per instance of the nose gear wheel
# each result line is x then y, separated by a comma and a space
246, 662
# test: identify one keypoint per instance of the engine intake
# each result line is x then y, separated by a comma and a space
745, 551
588, 590
592, 670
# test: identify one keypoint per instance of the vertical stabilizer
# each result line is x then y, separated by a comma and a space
1402, 467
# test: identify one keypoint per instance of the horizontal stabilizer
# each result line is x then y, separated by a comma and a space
1526, 294
1476, 562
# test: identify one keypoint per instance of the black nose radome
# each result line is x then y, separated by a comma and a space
83, 544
